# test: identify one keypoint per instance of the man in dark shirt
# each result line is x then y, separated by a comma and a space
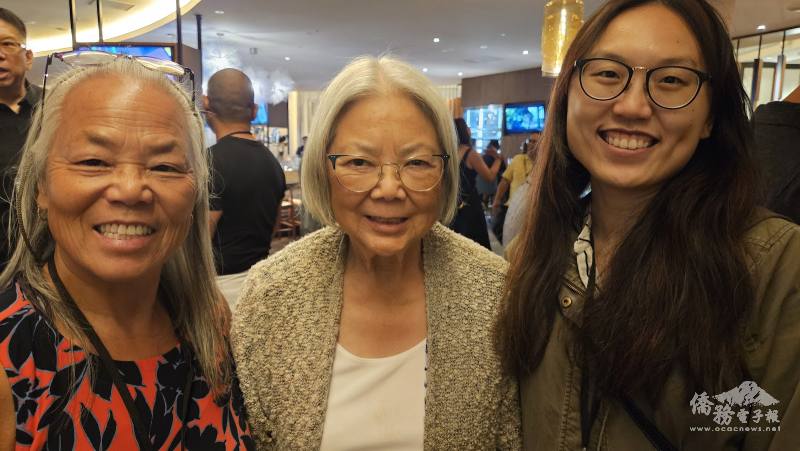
777, 132
248, 182
17, 99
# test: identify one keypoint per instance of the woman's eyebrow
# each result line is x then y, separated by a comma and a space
413, 147
673, 61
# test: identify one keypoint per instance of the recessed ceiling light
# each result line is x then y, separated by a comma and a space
436, 40
524, 52
484, 47
460, 74
761, 27
287, 58
219, 11
424, 69
502, 34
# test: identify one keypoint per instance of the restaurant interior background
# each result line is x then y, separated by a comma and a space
484, 55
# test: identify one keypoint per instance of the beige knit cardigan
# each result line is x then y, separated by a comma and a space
286, 325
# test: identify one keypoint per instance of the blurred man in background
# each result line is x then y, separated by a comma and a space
17, 99
248, 182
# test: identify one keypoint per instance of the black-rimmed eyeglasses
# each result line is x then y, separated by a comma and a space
360, 173
670, 87
89, 58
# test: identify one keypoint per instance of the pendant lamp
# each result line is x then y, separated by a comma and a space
562, 20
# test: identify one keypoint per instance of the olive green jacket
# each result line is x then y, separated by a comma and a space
286, 326
551, 395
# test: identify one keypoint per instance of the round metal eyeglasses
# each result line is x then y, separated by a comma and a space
359, 173
669, 87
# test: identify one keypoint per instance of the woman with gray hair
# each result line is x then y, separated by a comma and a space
375, 332
112, 333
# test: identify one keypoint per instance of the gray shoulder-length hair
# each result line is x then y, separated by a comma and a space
188, 278
363, 77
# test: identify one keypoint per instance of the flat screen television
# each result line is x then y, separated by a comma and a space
160, 51
524, 117
262, 117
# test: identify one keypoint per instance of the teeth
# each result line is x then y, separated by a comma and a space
629, 142
124, 232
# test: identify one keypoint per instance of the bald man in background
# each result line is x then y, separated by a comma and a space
247, 181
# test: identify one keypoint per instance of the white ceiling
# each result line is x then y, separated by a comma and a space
320, 36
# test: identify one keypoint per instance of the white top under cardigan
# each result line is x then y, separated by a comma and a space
376, 403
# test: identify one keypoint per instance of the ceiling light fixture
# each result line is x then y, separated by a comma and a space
562, 20
525, 52
287, 58
219, 11
460, 74
484, 47
436, 40
761, 27
424, 69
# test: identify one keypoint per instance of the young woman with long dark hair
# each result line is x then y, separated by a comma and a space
632, 306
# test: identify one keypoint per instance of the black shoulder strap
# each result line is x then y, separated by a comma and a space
654, 436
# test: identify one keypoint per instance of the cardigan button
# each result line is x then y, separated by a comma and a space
566, 302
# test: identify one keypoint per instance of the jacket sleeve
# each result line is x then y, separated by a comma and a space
773, 347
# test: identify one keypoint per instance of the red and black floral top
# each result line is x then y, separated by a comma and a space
52, 413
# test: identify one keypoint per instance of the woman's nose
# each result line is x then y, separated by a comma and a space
389, 184
634, 102
130, 186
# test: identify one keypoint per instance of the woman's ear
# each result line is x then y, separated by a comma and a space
707, 128
42, 201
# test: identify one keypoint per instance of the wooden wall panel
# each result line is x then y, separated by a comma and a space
278, 114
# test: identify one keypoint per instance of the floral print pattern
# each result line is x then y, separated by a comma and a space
59, 407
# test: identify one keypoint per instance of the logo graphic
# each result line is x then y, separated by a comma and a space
748, 403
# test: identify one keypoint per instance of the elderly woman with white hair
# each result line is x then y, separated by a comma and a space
376, 331
112, 333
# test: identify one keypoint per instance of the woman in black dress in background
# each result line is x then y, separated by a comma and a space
470, 220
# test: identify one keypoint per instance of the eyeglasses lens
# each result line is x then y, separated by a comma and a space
669, 86
358, 173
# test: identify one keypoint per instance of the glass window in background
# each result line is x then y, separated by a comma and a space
746, 55
771, 46
485, 123
791, 52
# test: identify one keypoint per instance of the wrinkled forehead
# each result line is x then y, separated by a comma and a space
123, 102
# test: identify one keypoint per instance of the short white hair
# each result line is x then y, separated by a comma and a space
366, 76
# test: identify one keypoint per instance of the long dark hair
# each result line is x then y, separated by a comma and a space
462, 131
677, 289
